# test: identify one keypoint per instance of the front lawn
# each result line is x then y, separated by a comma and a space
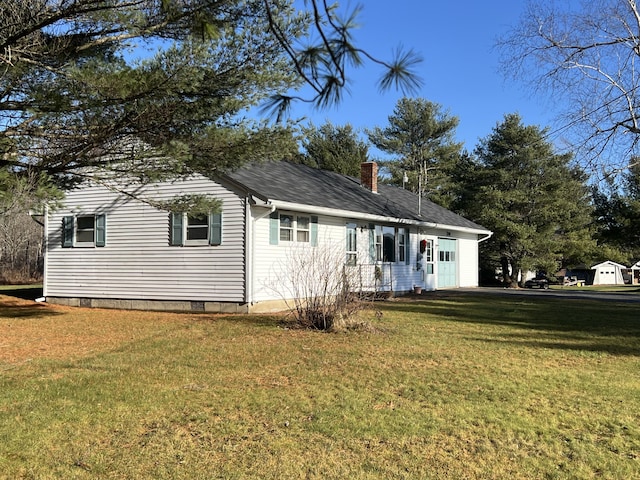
446, 387
603, 288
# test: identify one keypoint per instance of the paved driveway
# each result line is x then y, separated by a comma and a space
585, 294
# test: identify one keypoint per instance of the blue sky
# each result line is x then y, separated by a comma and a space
460, 67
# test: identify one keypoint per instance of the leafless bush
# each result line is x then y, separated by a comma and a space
319, 289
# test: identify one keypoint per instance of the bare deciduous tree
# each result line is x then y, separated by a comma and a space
21, 241
586, 57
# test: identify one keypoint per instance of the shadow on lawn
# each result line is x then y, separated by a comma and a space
545, 323
26, 293
19, 303
13, 309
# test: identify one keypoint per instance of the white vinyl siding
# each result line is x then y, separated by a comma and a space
467, 259
271, 262
138, 262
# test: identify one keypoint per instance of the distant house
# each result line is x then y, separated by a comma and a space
106, 248
608, 273
576, 273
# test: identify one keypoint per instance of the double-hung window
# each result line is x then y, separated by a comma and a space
288, 228
352, 244
197, 228
302, 229
402, 245
84, 231
294, 228
390, 244
428, 256
385, 244
194, 230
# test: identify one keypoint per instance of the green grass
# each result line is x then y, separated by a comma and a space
602, 288
460, 387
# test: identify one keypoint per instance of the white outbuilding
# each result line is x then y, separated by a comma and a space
608, 273
635, 273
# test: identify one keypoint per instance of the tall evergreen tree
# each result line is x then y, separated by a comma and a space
86, 82
534, 200
420, 139
617, 216
334, 147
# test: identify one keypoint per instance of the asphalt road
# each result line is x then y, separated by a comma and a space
585, 294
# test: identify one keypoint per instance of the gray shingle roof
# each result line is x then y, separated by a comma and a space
297, 183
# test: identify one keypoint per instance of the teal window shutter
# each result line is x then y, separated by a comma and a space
101, 230
176, 229
67, 231
274, 228
215, 229
314, 231
372, 242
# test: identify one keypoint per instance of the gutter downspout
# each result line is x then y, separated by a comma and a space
45, 251
251, 261
485, 238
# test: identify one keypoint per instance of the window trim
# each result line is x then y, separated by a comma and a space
299, 230
191, 228
290, 230
275, 228
179, 230
351, 258
70, 230
428, 257
400, 252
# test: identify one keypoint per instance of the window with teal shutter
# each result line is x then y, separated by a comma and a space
274, 227
101, 230
215, 229
372, 242
84, 231
67, 231
195, 230
314, 231
176, 228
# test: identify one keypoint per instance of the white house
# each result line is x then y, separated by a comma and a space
608, 273
107, 248
635, 273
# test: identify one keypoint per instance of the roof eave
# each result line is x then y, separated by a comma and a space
300, 207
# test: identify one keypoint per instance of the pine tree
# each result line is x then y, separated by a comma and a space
87, 82
334, 147
534, 200
420, 138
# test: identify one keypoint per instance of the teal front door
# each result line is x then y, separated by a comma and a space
447, 267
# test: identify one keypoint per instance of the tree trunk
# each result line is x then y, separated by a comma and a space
509, 273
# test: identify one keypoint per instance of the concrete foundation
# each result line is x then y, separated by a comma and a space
152, 305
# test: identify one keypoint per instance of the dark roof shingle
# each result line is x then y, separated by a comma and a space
298, 183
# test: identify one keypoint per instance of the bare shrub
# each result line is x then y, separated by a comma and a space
319, 289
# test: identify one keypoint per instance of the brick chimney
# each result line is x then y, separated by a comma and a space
369, 176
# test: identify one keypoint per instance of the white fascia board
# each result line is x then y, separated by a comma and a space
334, 212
